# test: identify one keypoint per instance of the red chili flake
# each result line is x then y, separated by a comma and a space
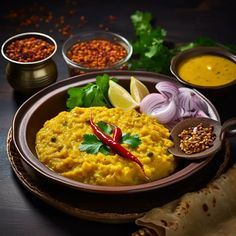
29, 49
96, 53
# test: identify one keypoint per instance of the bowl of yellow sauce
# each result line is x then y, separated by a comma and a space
205, 67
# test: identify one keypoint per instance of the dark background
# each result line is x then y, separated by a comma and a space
21, 213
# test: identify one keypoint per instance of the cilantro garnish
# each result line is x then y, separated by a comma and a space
148, 45
104, 127
152, 52
132, 140
91, 144
92, 94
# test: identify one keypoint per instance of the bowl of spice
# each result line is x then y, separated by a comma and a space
30, 66
210, 68
95, 51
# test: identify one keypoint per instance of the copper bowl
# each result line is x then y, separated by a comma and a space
48, 102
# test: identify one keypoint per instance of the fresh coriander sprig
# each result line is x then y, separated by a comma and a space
150, 52
150, 47
92, 94
91, 144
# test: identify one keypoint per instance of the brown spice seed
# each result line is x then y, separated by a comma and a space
196, 139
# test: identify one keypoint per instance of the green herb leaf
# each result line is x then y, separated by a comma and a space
204, 41
105, 150
132, 140
89, 94
75, 97
141, 22
102, 82
104, 127
91, 144
92, 94
150, 50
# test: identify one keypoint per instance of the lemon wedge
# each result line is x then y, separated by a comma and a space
120, 97
137, 89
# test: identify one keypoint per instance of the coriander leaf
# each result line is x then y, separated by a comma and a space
141, 21
102, 81
183, 47
98, 99
104, 127
91, 144
104, 150
132, 140
204, 41
92, 94
75, 97
89, 94
149, 50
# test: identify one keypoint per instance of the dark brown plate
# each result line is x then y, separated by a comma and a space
110, 208
47, 103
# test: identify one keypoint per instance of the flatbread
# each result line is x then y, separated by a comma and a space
208, 212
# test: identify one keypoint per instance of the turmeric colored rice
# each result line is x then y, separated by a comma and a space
58, 147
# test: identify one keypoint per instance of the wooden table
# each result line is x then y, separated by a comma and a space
21, 212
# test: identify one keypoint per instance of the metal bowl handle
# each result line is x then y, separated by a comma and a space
228, 129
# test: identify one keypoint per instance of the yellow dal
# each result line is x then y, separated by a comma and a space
67, 129
208, 70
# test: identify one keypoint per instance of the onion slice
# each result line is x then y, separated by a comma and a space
151, 102
173, 103
165, 113
191, 101
167, 88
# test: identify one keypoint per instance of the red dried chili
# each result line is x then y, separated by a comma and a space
117, 134
116, 147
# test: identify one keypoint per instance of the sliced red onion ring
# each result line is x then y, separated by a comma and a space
165, 113
201, 114
173, 103
190, 101
152, 101
167, 88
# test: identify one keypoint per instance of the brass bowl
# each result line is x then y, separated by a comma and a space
29, 77
47, 103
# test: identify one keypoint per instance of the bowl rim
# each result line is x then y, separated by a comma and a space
200, 50
22, 35
23, 113
128, 47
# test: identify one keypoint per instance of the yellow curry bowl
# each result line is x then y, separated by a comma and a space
206, 68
